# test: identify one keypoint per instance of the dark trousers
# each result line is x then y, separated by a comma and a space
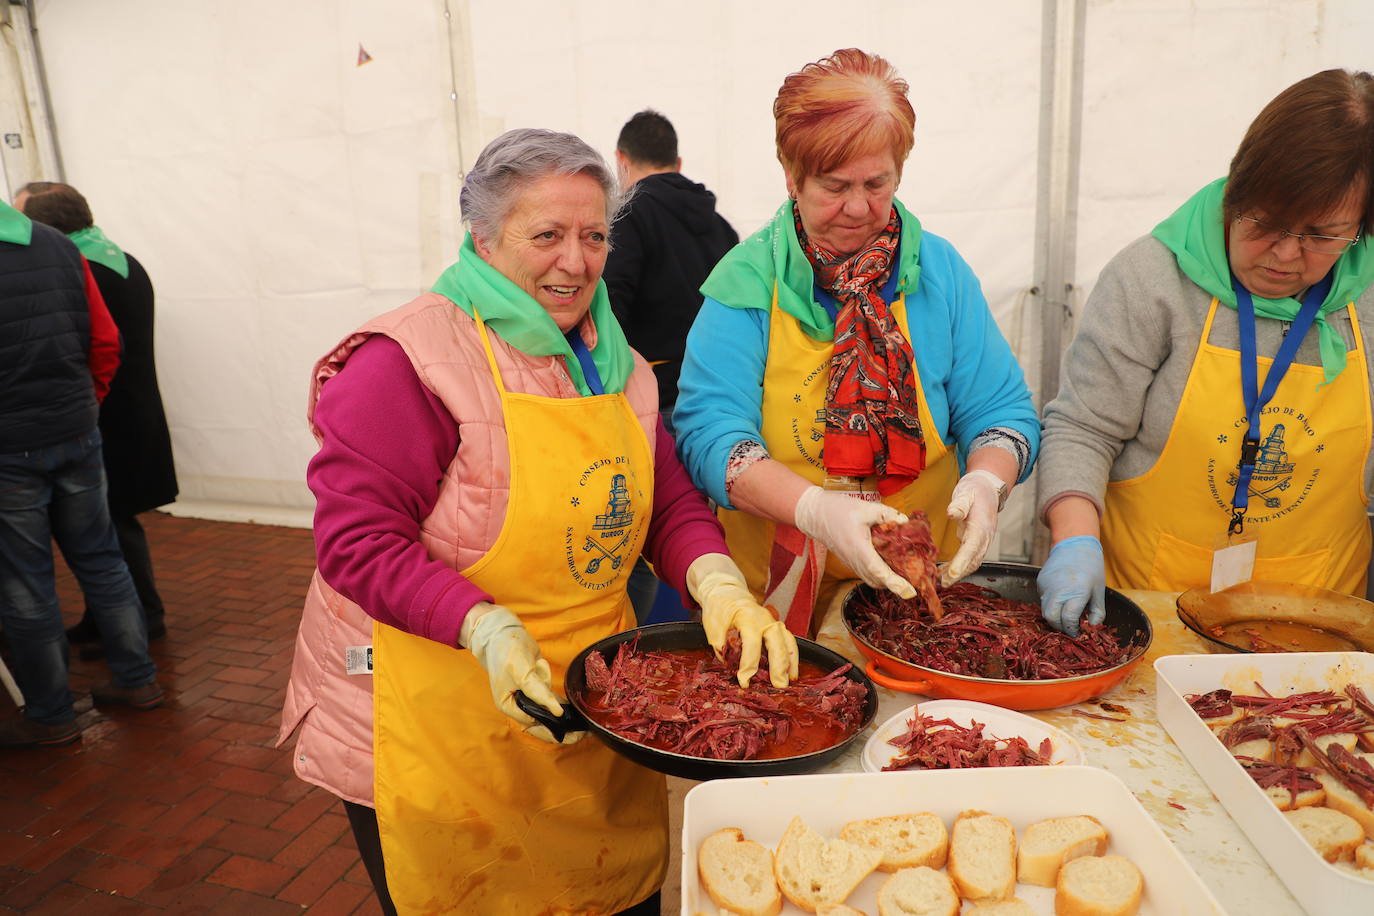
133, 543
363, 820
58, 493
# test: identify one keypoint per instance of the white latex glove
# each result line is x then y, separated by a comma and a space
726, 604
513, 662
842, 523
974, 504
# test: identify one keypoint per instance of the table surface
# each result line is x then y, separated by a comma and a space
1143, 756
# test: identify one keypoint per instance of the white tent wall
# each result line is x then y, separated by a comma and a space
279, 193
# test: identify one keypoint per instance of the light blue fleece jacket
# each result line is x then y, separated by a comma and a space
720, 391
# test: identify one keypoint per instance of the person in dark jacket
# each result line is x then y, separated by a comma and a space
58, 351
662, 249
137, 444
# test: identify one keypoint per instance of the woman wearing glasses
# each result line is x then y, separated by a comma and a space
1217, 388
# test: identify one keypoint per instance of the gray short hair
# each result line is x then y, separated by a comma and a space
518, 157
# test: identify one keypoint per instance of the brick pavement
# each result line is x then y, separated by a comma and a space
187, 808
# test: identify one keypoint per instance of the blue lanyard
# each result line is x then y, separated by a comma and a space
1256, 399
584, 356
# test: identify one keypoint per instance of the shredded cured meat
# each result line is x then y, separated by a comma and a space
1269, 775
983, 635
910, 550
941, 744
690, 703
1214, 705
1357, 775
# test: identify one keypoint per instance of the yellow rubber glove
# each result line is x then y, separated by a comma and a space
513, 662
718, 585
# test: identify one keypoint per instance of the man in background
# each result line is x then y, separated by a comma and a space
58, 351
662, 248
137, 446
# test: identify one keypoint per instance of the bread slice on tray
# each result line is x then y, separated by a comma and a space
1098, 886
918, 892
1286, 801
838, 909
1340, 797
738, 874
905, 840
1013, 907
1048, 844
812, 870
1364, 855
1334, 835
982, 856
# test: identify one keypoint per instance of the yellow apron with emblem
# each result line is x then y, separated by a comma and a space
795, 378
1307, 498
477, 817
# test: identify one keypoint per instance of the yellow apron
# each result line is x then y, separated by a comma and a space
1307, 498
795, 378
477, 817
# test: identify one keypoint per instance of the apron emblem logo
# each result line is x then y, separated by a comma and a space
1276, 487
601, 553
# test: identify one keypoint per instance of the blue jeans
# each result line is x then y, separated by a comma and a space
58, 493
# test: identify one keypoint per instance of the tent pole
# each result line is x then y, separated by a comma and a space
36, 91
1061, 111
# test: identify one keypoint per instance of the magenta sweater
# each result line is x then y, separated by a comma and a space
373, 487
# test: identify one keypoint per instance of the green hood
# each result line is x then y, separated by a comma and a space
97, 247
522, 322
744, 277
1196, 234
15, 227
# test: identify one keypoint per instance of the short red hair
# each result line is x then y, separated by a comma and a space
845, 106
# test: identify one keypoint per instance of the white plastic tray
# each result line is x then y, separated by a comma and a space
1321, 888
763, 807
997, 722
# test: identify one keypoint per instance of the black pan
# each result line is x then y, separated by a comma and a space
677, 636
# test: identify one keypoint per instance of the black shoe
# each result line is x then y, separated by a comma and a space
146, 696
83, 632
18, 731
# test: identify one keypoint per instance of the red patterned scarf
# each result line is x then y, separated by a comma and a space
872, 422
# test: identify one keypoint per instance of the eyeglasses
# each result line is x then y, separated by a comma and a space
1260, 231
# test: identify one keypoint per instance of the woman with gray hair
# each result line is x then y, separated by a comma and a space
491, 465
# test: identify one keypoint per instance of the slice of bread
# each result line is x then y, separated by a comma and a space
812, 870
738, 874
1342, 799
1364, 855
838, 909
1286, 801
1347, 740
1334, 835
906, 840
982, 856
918, 892
1259, 748
1098, 886
1048, 844
1013, 907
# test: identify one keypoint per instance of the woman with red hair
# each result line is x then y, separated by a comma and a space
842, 352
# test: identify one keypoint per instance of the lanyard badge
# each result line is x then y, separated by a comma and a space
1255, 398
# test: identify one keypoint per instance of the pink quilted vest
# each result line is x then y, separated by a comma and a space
333, 709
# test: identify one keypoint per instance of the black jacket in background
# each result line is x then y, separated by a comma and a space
663, 248
138, 447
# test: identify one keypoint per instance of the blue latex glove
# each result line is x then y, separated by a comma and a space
1073, 581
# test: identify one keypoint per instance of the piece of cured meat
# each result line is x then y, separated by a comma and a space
942, 744
910, 550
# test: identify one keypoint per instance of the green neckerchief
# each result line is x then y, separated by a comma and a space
15, 227
522, 322
97, 247
744, 277
1196, 235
